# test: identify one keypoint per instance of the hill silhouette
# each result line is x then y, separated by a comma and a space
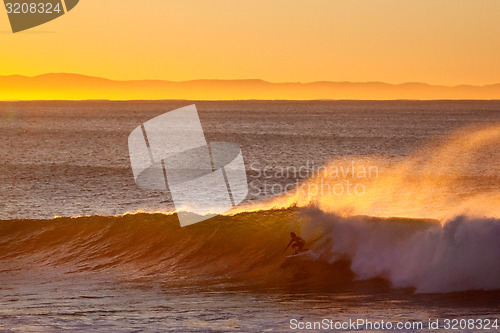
63, 86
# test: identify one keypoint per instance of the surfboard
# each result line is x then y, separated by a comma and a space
300, 254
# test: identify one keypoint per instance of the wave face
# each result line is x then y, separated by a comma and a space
460, 255
248, 247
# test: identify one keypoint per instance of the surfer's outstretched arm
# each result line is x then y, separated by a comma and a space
286, 248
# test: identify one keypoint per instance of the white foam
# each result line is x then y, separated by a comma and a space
462, 254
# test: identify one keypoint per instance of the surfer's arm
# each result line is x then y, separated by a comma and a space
289, 244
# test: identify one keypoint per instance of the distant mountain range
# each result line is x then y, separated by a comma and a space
80, 87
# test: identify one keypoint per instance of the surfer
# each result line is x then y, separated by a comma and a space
296, 242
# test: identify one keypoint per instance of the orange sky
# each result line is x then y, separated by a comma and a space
434, 41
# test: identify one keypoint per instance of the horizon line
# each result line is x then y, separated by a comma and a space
254, 80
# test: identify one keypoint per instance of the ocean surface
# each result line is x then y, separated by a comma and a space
399, 202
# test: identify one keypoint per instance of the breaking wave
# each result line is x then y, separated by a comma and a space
444, 239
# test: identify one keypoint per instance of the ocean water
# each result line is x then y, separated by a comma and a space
398, 200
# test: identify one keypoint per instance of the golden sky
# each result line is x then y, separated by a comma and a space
433, 41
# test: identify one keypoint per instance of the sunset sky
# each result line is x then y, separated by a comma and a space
433, 41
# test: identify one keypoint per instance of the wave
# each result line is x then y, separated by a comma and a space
427, 255
246, 247
444, 240
451, 176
